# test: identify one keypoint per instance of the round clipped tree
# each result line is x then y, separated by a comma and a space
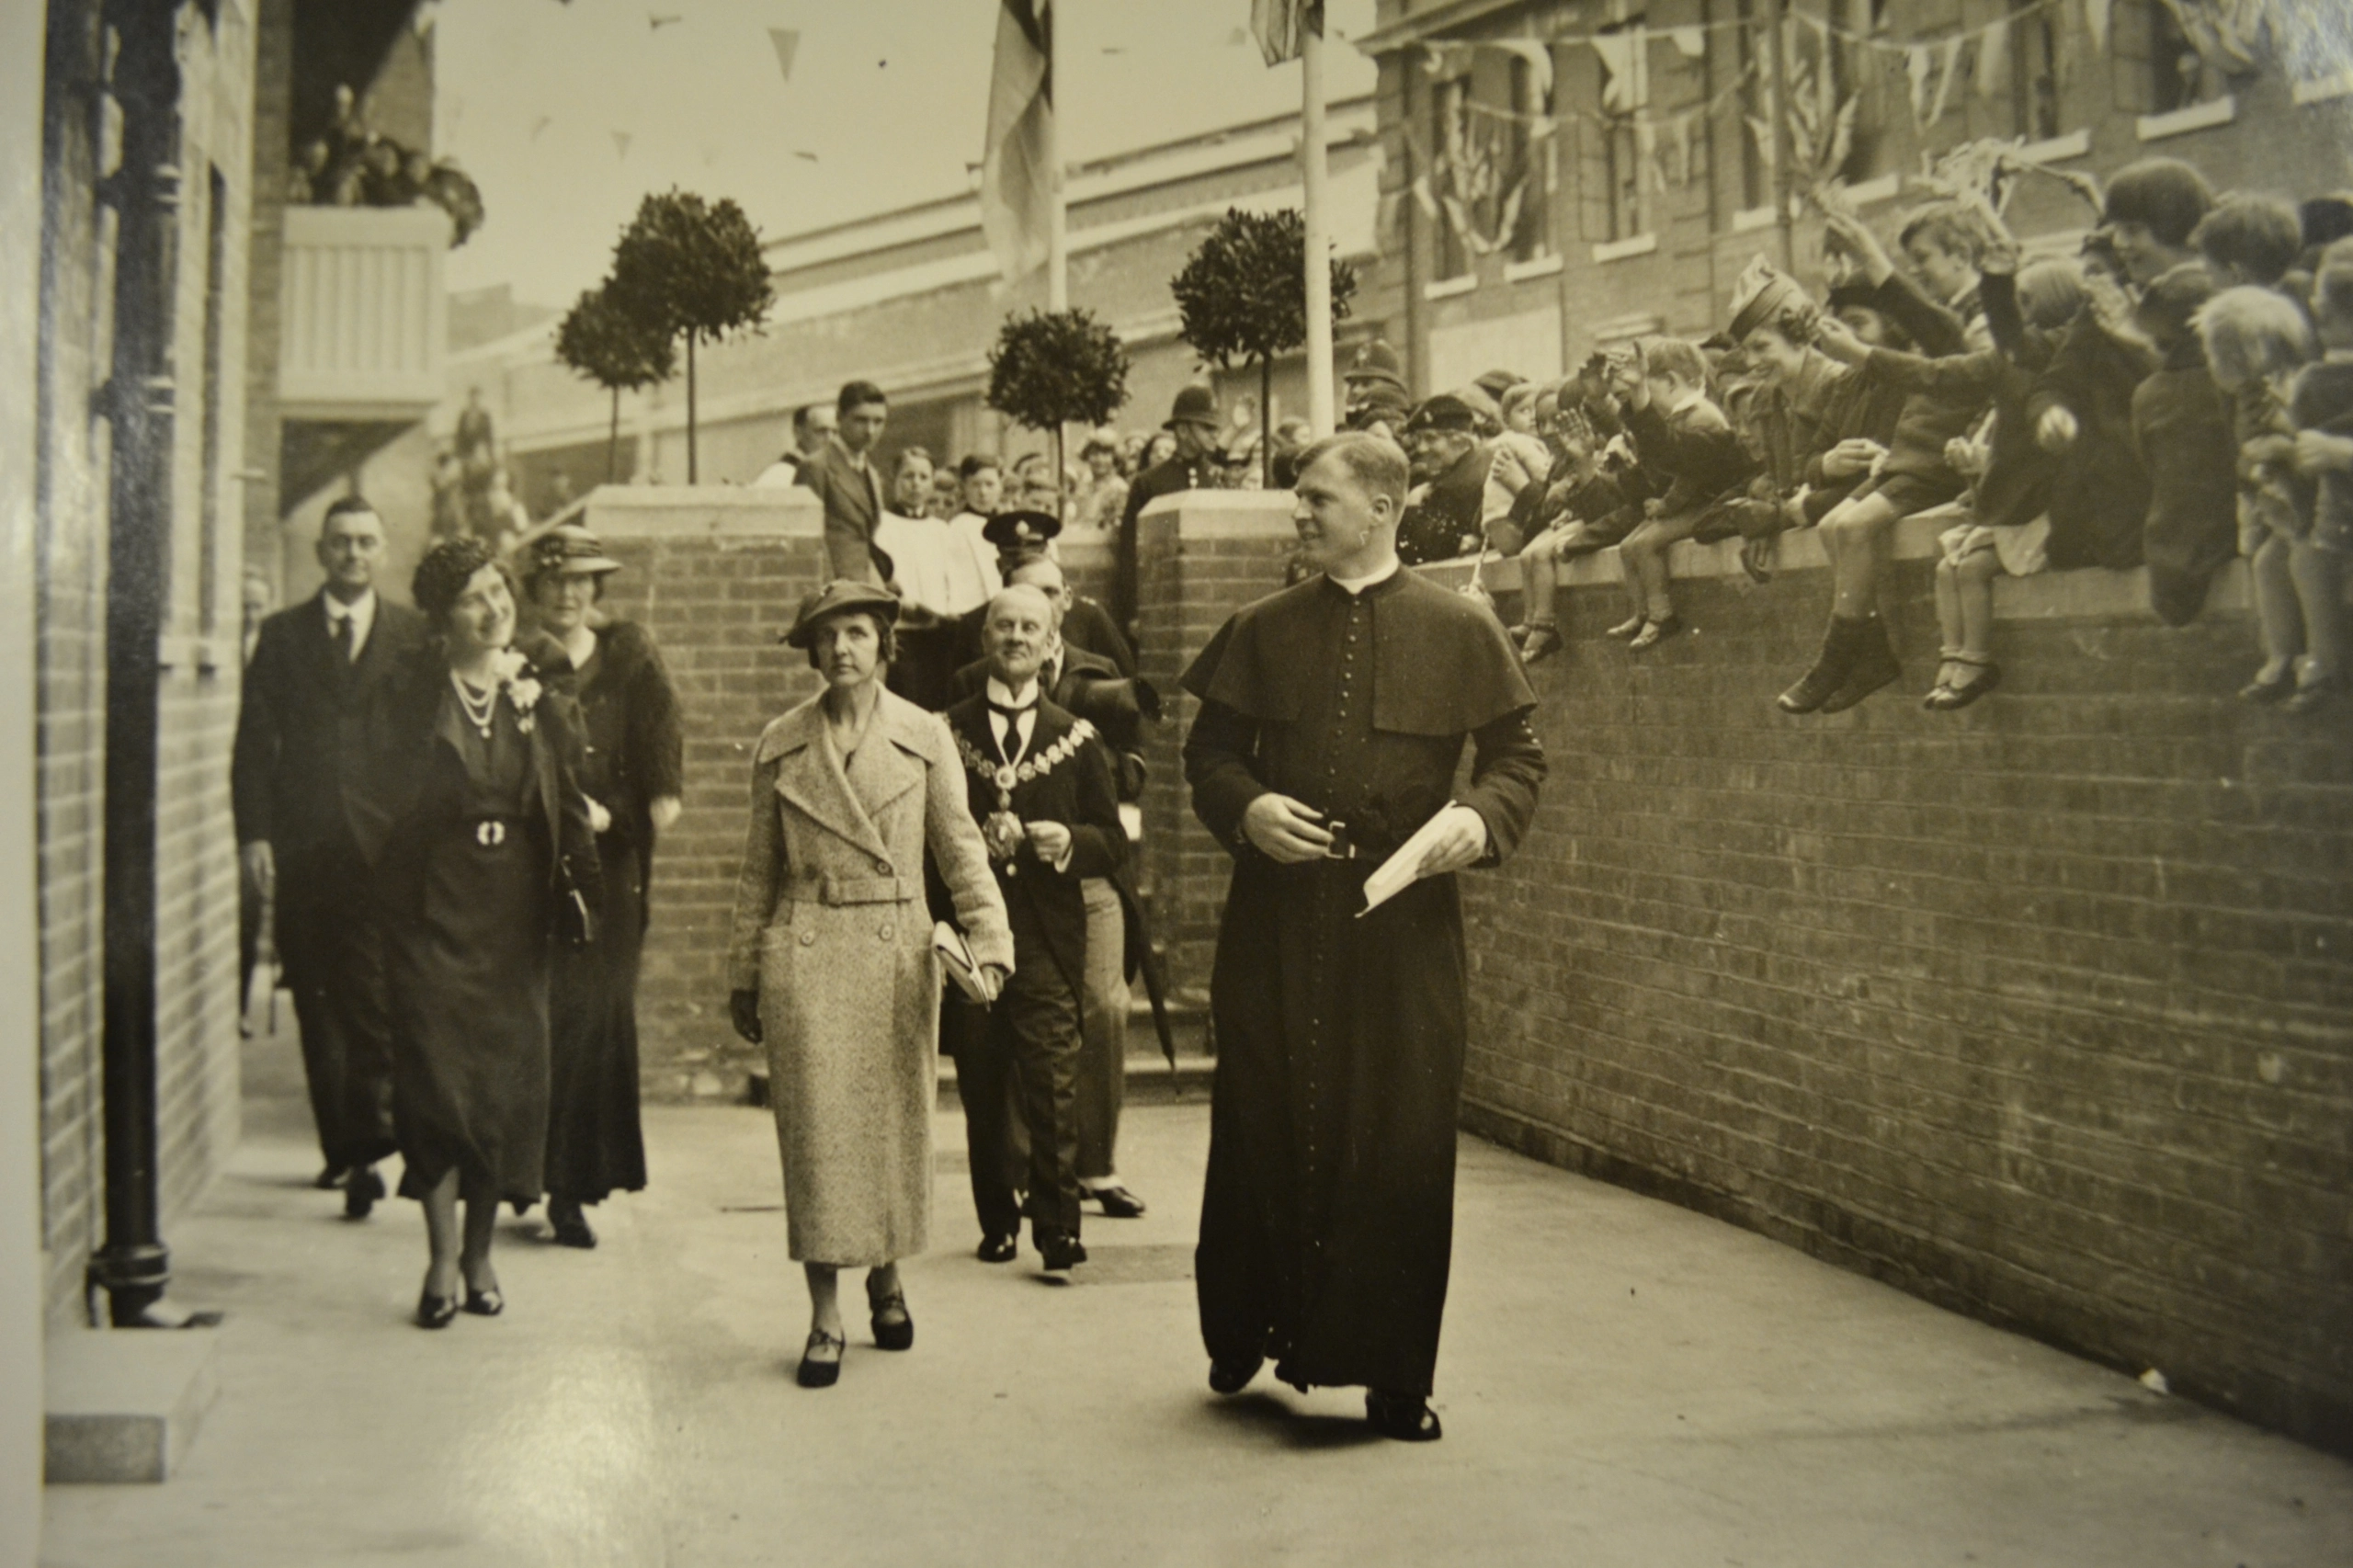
1050, 369
1243, 295
614, 349
688, 266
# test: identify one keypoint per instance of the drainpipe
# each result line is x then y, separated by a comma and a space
134, 1267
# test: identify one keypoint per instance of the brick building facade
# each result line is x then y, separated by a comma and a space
1626, 131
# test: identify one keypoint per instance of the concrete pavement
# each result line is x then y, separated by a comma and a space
1623, 1382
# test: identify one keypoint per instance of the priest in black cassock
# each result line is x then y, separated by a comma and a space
1332, 718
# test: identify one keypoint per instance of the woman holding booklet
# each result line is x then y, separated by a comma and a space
832, 961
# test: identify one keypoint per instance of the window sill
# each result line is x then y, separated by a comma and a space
2321, 89
200, 656
1623, 329
1534, 266
2196, 117
1620, 250
1748, 219
2057, 149
1446, 287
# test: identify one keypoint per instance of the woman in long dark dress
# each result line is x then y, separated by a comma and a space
632, 776
482, 847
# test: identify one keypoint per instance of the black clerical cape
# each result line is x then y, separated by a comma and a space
1328, 1213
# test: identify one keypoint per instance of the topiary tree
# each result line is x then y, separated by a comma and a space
1243, 295
687, 266
1057, 368
614, 349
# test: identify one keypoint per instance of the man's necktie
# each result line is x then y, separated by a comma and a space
1014, 744
342, 640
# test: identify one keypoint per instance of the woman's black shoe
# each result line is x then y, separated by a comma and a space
484, 1303
893, 1328
569, 1224
1404, 1416
998, 1247
1232, 1377
819, 1371
436, 1311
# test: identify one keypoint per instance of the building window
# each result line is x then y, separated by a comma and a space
2158, 69
1450, 257
1753, 60
2034, 70
1533, 162
1624, 51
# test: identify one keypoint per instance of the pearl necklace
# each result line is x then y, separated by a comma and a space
478, 713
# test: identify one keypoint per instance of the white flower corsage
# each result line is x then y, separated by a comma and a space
522, 690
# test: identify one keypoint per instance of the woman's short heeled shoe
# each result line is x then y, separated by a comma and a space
484, 1303
894, 1328
436, 1311
817, 1371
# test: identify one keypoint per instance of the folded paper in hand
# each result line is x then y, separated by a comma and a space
956, 957
1402, 870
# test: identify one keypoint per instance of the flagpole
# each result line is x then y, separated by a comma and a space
1057, 238
1318, 244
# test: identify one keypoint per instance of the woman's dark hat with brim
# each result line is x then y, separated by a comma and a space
840, 596
570, 550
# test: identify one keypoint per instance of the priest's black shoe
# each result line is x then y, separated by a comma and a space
1405, 1416
1062, 1252
330, 1178
1118, 1202
1232, 1377
998, 1247
361, 1190
568, 1227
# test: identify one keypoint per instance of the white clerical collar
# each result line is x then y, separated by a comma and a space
1004, 696
1355, 586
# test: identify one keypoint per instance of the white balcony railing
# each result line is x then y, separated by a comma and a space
363, 318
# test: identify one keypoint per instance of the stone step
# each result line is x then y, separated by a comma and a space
124, 1404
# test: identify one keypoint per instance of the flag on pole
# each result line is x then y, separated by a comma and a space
1016, 184
1279, 23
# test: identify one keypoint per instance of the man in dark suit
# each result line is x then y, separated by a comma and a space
295, 771
1041, 788
845, 479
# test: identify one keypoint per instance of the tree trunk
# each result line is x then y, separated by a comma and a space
1061, 502
691, 407
613, 440
1267, 420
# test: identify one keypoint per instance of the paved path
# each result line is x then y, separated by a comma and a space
1623, 1383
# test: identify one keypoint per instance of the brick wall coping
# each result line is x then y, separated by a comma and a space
2090, 593
704, 511
1226, 514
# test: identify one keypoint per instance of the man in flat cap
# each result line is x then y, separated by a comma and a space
1450, 471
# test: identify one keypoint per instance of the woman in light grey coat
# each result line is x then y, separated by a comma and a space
831, 962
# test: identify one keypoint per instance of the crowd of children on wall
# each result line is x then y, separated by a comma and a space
353, 164
2178, 394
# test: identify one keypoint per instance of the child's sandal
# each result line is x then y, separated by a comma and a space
1947, 698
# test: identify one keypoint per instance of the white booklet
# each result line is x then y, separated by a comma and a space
1402, 870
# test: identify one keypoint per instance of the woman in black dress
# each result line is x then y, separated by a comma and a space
632, 776
482, 849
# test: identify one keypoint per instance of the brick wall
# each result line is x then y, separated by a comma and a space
715, 573
2038, 1010
1200, 557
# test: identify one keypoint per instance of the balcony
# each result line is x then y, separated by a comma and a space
363, 318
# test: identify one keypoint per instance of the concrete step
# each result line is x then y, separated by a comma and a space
124, 1404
